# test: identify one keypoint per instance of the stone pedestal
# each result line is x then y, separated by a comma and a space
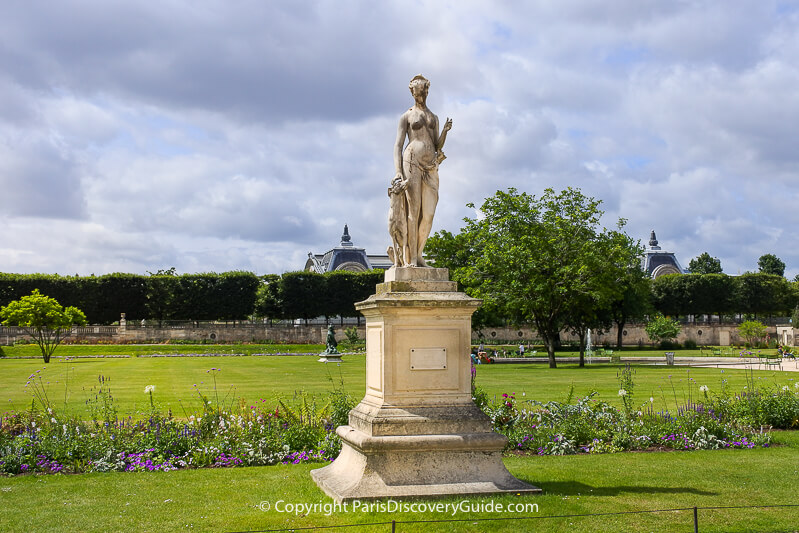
417, 431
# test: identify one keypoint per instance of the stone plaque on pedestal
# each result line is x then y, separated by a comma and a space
417, 431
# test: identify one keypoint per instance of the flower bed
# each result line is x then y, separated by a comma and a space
217, 435
233, 434
713, 421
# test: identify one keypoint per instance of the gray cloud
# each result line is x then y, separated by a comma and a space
257, 61
38, 179
214, 136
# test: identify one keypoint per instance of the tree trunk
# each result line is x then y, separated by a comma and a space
620, 333
551, 355
549, 341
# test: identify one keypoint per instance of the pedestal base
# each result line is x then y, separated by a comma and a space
411, 466
392, 451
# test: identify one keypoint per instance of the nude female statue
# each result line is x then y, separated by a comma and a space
417, 165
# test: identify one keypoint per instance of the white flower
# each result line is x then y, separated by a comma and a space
49, 411
785, 387
148, 389
796, 385
651, 399
622, 392
33, 424
704, 388
53, 420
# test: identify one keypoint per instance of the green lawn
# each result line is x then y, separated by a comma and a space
135, 350
229, 499
76, 381
250, 378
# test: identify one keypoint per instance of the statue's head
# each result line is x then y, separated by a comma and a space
419, 83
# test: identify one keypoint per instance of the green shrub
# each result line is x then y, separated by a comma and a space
669, 345
352, 335
341, 404
662, 329
690, 344
752, 332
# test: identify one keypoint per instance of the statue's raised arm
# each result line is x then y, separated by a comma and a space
416, 169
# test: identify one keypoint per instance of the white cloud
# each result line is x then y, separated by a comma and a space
215, 136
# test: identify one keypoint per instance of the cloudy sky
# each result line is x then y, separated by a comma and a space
215, 136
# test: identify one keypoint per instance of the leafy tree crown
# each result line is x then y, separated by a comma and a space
705, 264
771, 264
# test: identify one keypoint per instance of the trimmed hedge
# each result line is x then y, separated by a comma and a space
206, 296
209, 296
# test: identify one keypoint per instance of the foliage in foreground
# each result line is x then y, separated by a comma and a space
224, 431
709, 421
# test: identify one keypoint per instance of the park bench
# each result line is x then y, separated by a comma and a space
770, 360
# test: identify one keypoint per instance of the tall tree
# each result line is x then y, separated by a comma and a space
635, 301
537, 255
456, 252
44, 319
704, 264
771, 264
609, 263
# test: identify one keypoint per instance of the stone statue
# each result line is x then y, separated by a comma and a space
416, 167
332, 345
397, 222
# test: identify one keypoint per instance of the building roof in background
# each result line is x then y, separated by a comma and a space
346, 256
